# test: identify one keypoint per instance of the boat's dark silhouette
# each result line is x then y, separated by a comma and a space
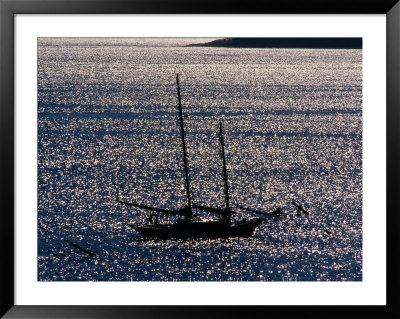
192, 226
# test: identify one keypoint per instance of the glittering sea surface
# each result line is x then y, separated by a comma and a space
108, 128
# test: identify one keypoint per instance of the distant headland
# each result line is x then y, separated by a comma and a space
286, 43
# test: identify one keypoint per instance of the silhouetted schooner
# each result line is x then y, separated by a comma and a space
192, 226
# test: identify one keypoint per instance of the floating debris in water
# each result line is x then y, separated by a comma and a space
80, 248
300, 208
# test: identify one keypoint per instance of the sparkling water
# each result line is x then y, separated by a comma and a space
108, 129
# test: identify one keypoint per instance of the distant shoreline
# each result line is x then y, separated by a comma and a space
284, 43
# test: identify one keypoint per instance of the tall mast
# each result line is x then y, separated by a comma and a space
221, 139
184, 148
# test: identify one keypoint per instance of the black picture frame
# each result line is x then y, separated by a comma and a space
8, 9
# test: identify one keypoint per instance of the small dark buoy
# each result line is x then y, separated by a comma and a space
186, 115
79, 247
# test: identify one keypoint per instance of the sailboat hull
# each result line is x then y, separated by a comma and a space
199, 229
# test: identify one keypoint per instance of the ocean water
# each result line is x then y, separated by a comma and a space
108, 128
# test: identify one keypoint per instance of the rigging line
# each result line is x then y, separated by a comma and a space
183, 145
221, 139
